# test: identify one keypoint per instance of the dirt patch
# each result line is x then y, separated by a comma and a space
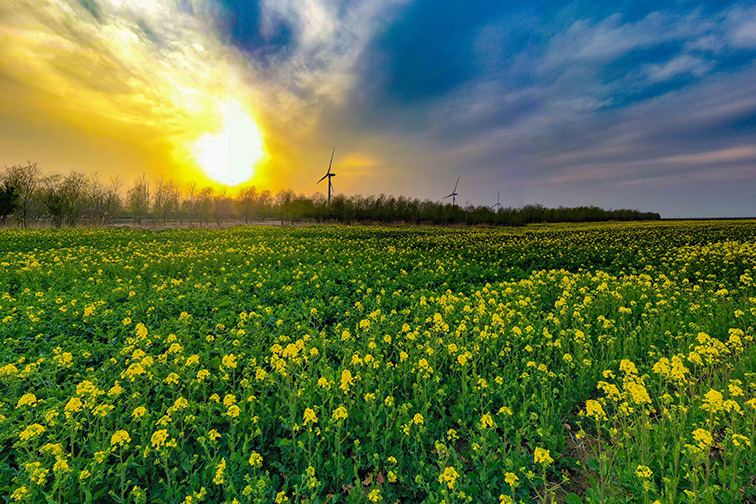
581, 450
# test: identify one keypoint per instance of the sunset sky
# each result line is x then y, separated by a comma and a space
646, 105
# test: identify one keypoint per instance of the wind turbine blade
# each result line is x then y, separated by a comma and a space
498, 198
455, 185
329, 164
321, 180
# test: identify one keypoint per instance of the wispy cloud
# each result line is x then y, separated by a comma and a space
677, 66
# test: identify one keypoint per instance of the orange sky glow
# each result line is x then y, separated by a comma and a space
102, 95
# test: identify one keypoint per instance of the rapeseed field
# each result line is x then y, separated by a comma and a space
585, 363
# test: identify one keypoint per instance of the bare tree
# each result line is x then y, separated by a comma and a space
245, 203
222, 207
8, 200
189, 203
64, 198
284, 199
265, 203
165, 199
113, 203
24, 180
204, 204
138, 200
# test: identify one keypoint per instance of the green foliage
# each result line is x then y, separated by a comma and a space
339, 364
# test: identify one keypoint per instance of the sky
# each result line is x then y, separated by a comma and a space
641, 105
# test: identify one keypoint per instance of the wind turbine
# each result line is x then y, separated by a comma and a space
453, 194
329, 175
498, 202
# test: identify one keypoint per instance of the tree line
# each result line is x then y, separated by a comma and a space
28, 197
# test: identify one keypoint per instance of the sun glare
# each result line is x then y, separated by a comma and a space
230, 157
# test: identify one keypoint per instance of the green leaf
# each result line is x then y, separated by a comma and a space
572, 498
593, 463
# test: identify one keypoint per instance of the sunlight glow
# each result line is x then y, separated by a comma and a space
230, 157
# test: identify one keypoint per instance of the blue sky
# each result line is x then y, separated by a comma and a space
647, 105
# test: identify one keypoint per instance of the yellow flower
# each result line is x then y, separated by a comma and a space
346, 380
713, 401
449, 476
511, 479
120, 438
418, 419
32, 431
220, 469
27, 399
52, 449
638, 393
644, 472
61, 466
84, 475
19, 494
628, 367
542, 456
73, 405
340, 413
213, 434
229, 361
158, 438
171, 379
133, 371
141, 329
310, 416
486, 421
281, 498
233, 411
9, 370
255, 460
180, 403
115, 390
375, 495
703, 438
504, 410
37, 473
739, 440
139, 412
595, 410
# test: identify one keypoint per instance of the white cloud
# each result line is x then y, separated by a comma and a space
742, 27
679, 65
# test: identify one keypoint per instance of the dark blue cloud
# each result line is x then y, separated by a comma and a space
242, 24
429, 50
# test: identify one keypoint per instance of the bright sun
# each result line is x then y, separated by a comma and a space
230, 157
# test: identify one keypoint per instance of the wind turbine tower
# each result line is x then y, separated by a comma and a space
453, 194
329, 175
